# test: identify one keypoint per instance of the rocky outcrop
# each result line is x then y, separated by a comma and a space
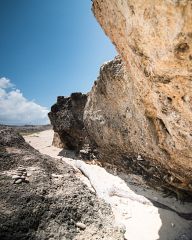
50, 202
143, 109
66, 116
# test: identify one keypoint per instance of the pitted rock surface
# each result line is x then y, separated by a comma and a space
66, 116
51, 204
144, 104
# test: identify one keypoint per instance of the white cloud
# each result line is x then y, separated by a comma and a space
16, 109
5, 83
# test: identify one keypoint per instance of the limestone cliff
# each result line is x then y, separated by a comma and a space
145, 107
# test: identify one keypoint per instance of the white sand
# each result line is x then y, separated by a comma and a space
142, 221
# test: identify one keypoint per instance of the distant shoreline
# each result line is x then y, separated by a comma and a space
27, 129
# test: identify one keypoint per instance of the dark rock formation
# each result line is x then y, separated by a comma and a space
66, 116
51, 203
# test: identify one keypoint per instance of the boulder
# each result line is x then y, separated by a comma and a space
66, 116
142, 106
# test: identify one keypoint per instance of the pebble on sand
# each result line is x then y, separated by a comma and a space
19, 173
21, 169
18, 181
16, 177
81, 225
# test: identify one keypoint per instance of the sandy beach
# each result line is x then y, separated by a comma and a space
130, 201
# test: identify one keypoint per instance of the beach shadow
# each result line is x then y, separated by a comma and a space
68, 154
173, 226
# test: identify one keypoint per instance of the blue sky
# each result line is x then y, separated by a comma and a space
49, 48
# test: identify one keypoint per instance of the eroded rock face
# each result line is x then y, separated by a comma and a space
52, 203
66, 116
144, 107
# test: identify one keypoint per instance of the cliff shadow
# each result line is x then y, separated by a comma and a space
172, 219
68, 154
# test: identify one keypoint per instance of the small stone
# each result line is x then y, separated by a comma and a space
83, 151
18, 181
139, 158
19, 173
81, 225
172, 224
21, 169
56, 175
16, 177
24, 173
